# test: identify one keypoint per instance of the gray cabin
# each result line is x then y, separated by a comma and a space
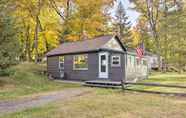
101, 58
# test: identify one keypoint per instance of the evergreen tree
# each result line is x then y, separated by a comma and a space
122, 24
9, 43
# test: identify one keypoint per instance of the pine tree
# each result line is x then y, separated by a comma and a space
122, 24
9, 43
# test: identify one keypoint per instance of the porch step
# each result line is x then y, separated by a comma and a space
103, 84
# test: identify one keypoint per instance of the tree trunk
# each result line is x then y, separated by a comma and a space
152, 16
28, 51
44, 37
158, 51
68, 9
36, 40
37, 32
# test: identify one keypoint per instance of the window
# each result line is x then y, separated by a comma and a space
80, 62
61, 62
116, 61
103, 63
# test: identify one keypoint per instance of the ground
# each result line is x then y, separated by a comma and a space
164, 78
108, 103
10, 106
27, 81
99, 102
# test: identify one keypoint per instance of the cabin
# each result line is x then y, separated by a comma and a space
101, 58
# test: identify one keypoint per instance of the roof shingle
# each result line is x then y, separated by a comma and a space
80, 46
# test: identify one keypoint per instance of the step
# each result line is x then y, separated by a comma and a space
104, 83
101, 85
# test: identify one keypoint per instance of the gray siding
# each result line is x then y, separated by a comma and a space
90, 74
115, 73
52, 66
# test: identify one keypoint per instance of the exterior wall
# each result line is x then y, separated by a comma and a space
90, 74
53, 66
136, 71
115, 73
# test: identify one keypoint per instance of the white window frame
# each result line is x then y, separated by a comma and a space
74, 68
61, 62
116, 65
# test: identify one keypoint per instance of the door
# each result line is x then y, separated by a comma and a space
103, 65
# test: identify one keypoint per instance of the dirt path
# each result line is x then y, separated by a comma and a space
39, 100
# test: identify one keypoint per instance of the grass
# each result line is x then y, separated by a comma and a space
109, 103
166, 78
27, 80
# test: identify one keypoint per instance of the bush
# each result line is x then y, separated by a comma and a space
7, 72
28, 73
24, 68
31, 68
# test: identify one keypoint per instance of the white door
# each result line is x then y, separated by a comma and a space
103, 65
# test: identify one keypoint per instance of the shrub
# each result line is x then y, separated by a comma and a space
7, 72
28, 73
30, 67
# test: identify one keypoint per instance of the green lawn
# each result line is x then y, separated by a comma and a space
167, 78
26, 80
109, 103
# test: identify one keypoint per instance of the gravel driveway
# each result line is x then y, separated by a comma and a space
25, 103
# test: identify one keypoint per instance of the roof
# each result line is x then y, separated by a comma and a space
83, 46
131, 50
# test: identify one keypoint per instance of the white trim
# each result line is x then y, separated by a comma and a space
79, 68
125, 67
61, 70
106, 73
74, 68
116, 65
59, 62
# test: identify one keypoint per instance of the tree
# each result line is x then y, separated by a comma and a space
172, 33
40, 27
165, 36
85, 18
9, 43
149, 10
122, 23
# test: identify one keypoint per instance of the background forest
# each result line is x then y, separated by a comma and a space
30, 28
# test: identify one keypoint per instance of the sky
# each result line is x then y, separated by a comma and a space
132, 14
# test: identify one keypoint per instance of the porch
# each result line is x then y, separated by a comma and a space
103, 84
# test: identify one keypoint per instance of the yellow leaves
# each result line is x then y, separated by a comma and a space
72, 37
86, 19
89, 18
136, 37
51, 37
